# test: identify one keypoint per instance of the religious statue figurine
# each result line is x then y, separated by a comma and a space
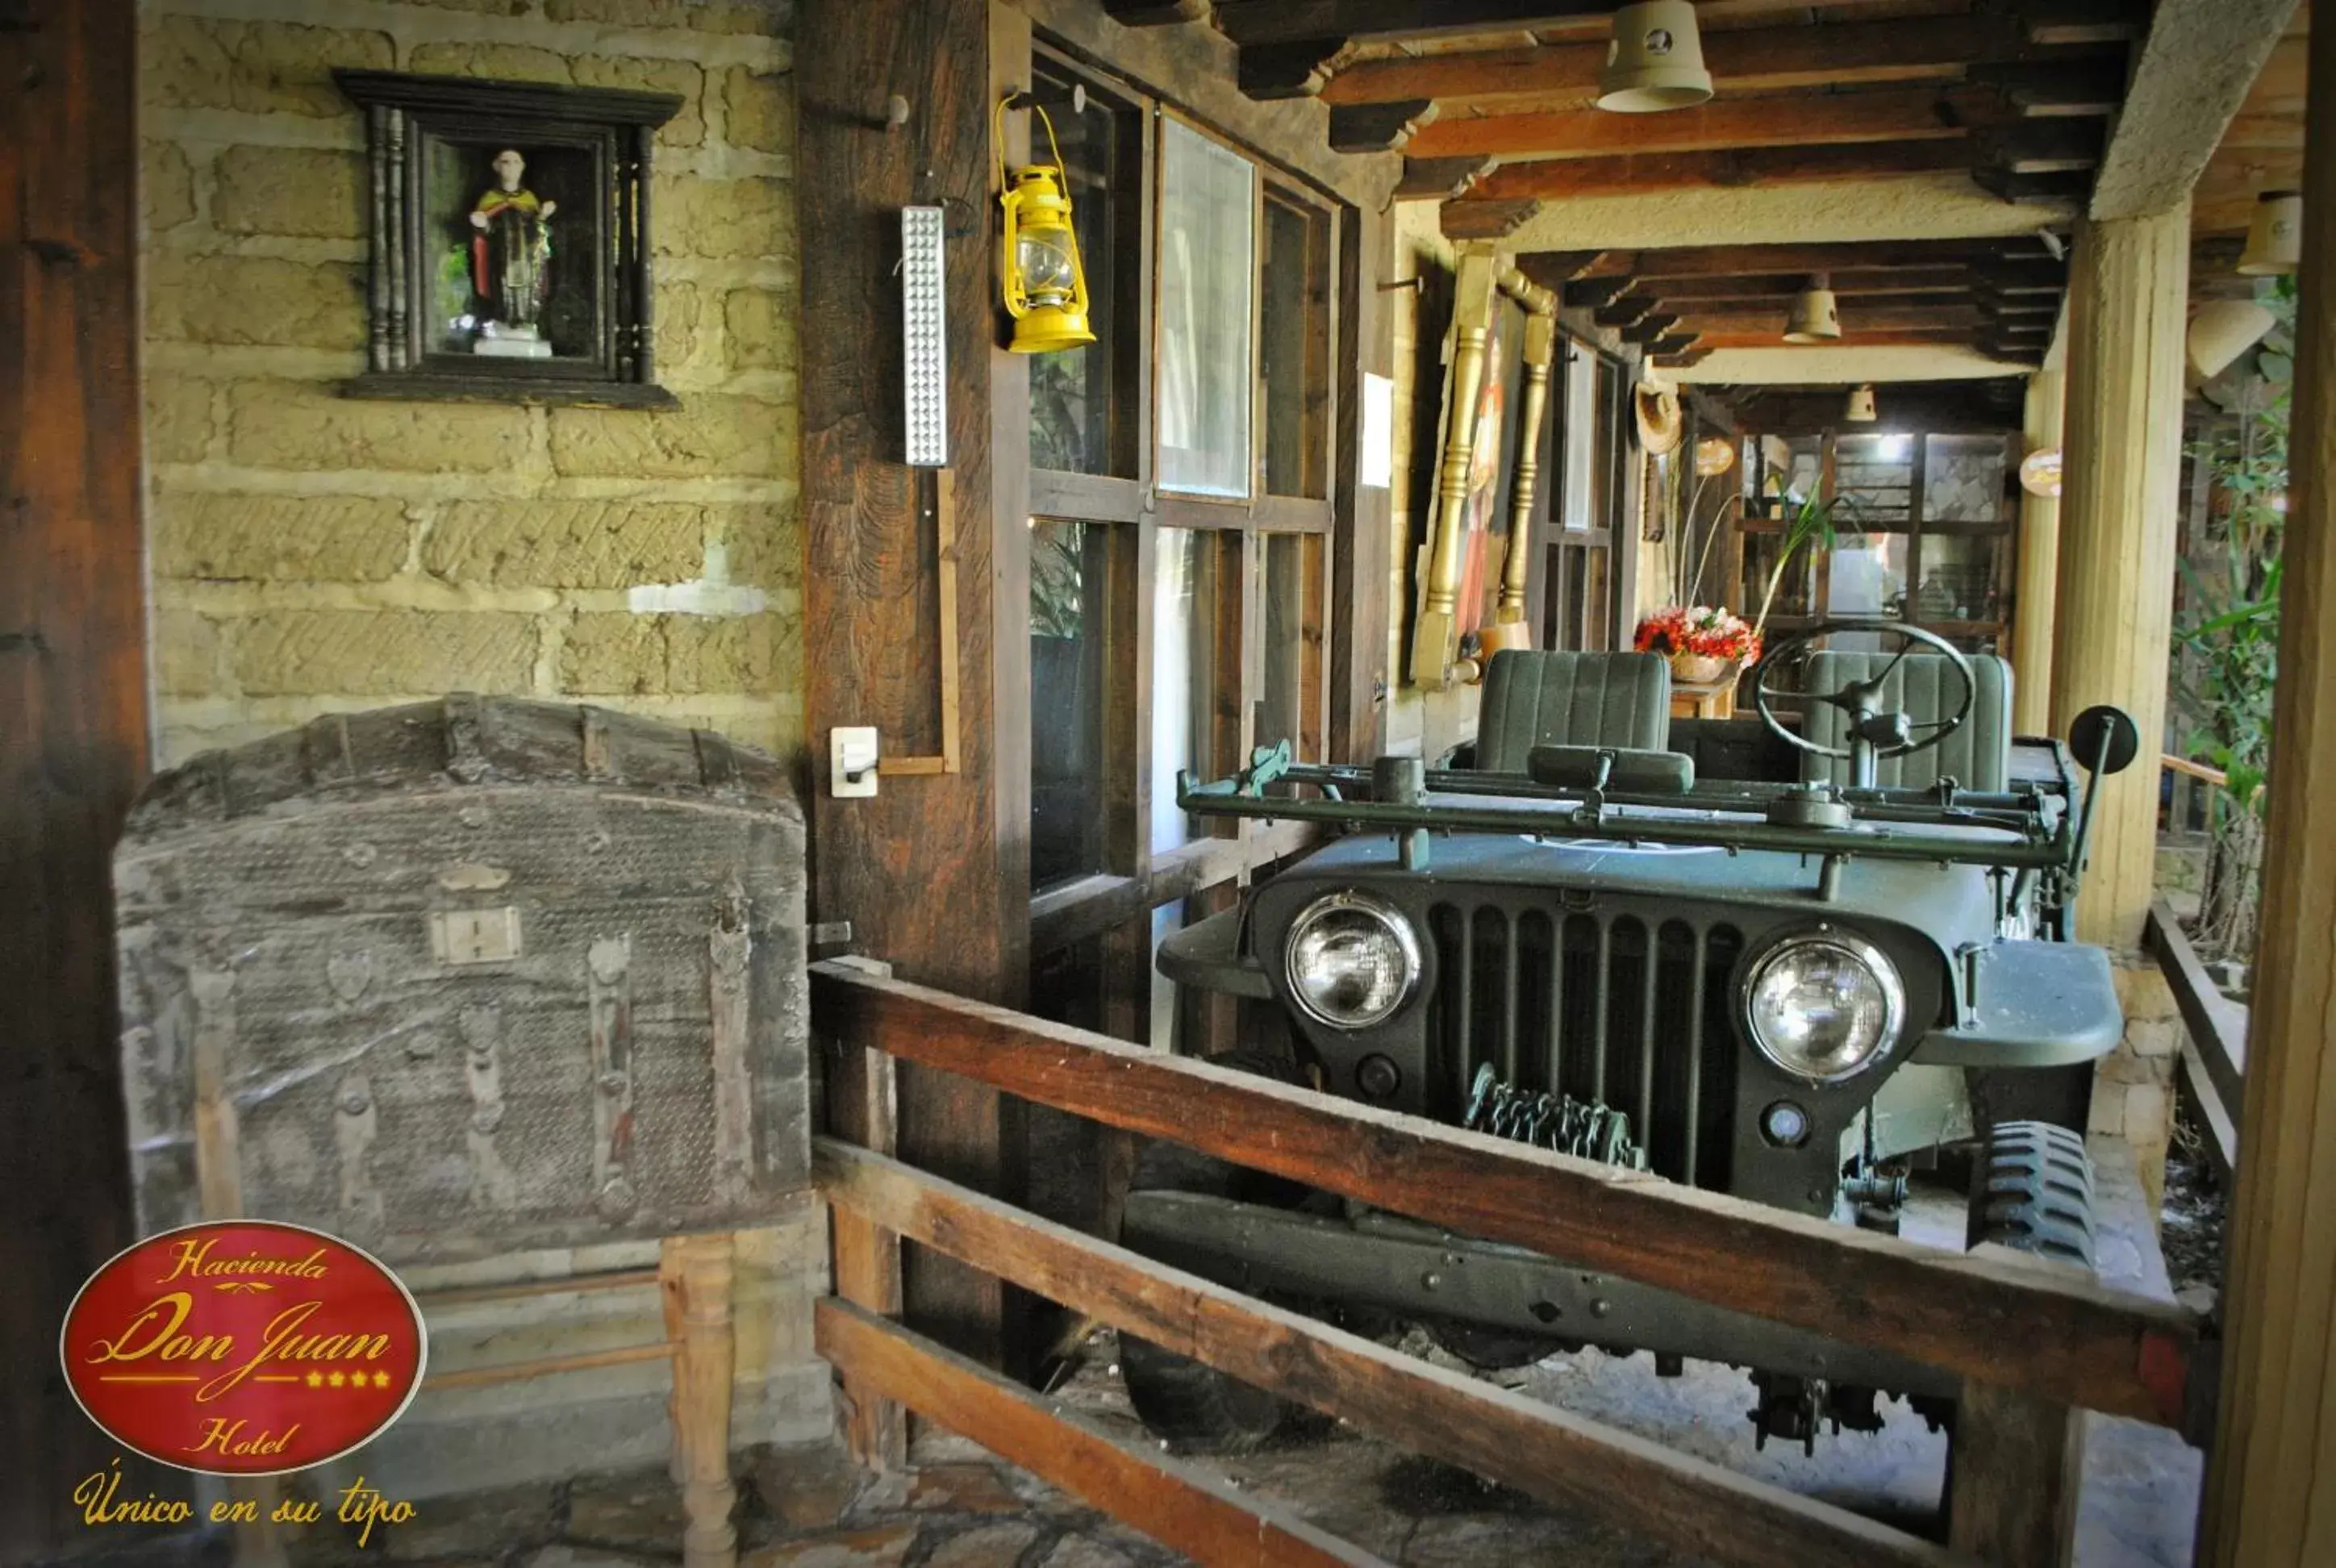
511, 257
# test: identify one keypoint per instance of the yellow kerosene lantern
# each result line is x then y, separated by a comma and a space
1046, 286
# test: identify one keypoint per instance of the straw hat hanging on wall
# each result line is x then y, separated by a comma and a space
1660, 425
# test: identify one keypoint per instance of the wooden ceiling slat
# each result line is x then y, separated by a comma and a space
1552, 178
1887, 115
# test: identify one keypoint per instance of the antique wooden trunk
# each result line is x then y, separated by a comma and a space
465, 977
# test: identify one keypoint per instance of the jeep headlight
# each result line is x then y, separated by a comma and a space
1824, 1005
1352, 960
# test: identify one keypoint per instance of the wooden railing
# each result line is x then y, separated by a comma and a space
2189, 808
2032, 1341
2213, 1060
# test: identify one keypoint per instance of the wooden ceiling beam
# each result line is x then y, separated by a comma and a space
1650, 327
1155, 12
2085, 21
1555, 179
1556, 270
2093, 83
2051, 185
1485, 220
1625, 311
1379, 127
1848, 285
1270, 71
1859, 256
1886, 115
1926, 335
1254, 22
2045, 142
1755, 60
1673, 344
1444, 177
1856, 325
1586, 293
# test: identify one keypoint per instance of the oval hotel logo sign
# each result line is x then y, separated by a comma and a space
243, 1348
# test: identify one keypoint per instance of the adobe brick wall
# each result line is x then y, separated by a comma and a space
311, 554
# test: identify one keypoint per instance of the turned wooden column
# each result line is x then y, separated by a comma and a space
2121, 479
695, 1273
2037, 580
2271, 1494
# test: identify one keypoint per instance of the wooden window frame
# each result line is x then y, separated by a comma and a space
1135, 879
1916, 528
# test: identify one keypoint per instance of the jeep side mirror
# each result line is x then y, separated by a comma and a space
2105, 739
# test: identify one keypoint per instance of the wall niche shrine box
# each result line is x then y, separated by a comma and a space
510, 240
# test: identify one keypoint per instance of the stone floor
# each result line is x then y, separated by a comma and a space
959, 1508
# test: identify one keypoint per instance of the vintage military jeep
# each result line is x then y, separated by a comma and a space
1791, 988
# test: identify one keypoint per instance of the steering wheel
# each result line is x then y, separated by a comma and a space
1874, 731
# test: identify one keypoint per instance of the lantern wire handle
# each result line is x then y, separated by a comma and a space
997, 133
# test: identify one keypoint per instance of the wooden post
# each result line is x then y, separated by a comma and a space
863, 1108
2037, 584
2271, 1493
73, 708
2014, 1470
2128, 283
698, 1269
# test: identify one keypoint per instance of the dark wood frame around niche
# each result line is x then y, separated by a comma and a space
615, 129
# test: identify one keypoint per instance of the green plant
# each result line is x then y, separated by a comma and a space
1810, 523
2226, 631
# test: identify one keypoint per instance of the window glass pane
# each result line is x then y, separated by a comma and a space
1207, 270
1189, 725
1869, 576
1292, 703
1067, 635
1296, 349
1579, 466
1070, 391
1964, 479
1960, 577
1874, 476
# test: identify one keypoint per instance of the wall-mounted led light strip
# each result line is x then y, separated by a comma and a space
923, 339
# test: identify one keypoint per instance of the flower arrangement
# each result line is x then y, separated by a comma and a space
1699, 632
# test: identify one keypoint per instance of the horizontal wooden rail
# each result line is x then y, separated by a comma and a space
2214, 1055
2031, 1329
550, 1366
1172, 1503
1562, 1458
2197, 770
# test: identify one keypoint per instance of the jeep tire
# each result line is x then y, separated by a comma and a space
1192, 1404
2032, 1191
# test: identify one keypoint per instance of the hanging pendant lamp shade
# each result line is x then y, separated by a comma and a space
1861, 409
1654, 60
2274, 235
1816, 316
2222, 331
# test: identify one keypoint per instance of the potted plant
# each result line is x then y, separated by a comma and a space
1705, 643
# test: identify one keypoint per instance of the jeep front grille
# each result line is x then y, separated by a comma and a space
1609, 1006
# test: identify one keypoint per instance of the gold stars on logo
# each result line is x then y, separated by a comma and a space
381, 1379
316, 1379
335, 1379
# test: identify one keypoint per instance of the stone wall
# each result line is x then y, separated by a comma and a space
311, 554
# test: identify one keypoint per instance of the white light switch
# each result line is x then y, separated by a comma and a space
851, 761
